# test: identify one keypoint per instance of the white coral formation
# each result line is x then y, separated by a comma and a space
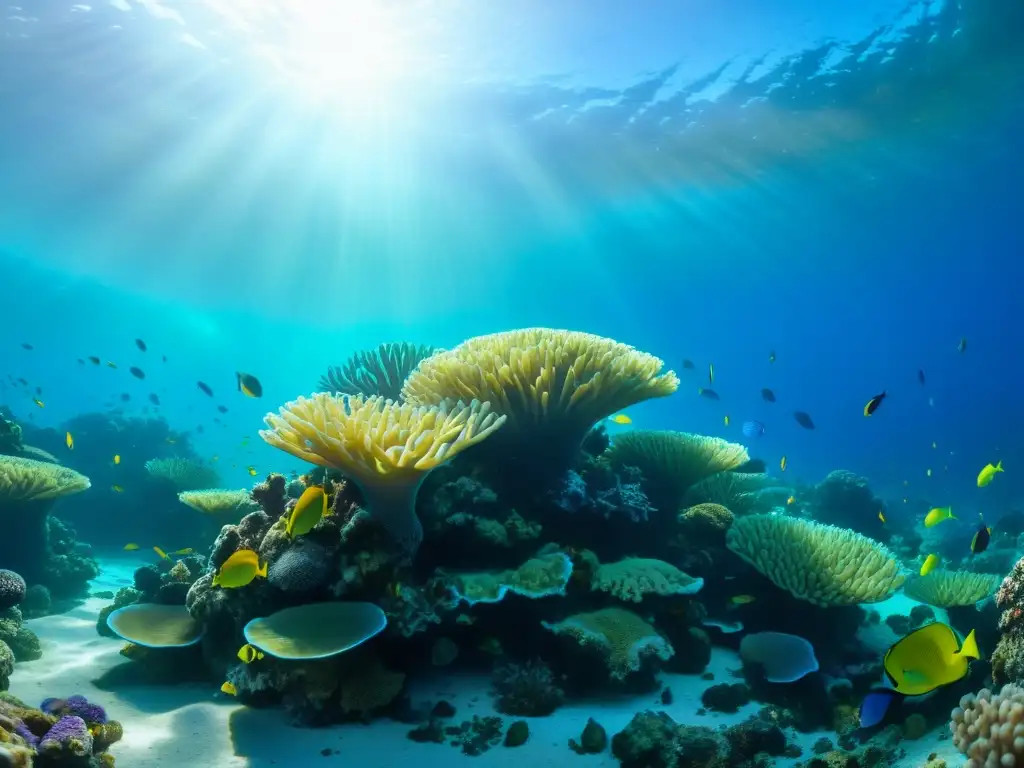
989, 728
821, 564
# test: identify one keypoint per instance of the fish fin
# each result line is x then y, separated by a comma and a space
262, 570
969, 649
999, 466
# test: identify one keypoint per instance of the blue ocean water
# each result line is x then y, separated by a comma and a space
268, 187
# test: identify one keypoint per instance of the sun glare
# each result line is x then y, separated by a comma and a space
352, 52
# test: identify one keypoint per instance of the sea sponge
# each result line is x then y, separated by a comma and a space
369, 686
636, 577
821, 564
671, 462
624, 638
219, 501
302, 568
12, 589
540, 576
381, 371
385, 447
183, 474
989, 728
945, 589
315, 630
552, 385
30, 480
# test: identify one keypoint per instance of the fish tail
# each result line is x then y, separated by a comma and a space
262, 571
969, 649
999, 466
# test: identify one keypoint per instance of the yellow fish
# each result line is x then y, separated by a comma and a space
988, 473
252, 471
791, 500
782, 464
38, 402
311, 506
620, 418
131, 547
185, 551
248, 654
117, 459
727, 419
117, 489
111, 365
930, 564
742, 599
69, 441
239, 570
161, 553
229, 688
881, 516
929, 658
937, 515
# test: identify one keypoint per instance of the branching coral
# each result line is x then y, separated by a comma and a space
818, 563
183, 474
381, 371
385, 447
623, 637
219, 501
945, 589
636, 577
552, 385
671, 462
989, 728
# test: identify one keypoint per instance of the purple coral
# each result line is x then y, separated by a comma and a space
30, 738
70, 734
76, 705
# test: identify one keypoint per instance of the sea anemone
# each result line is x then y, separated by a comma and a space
386, 448
381, 371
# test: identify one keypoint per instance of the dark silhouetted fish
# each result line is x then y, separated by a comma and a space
154, 399
94, 360
205, 387
803, 419
125, 397
873, 403
753, 429
688, 365
222, 409
163, 358
710, 394
920, 376
137, 372
140, 344
767, 395
249, 385
26, 345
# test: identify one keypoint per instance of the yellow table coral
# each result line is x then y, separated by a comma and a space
821, 564
386, 448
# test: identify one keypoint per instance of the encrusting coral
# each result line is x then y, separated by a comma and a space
634, 578
671, 462
381, 371
621, 636
540, 576
384, 447
946, 589
551, 385
821, 564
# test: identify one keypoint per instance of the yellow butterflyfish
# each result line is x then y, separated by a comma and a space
228, 688
239, 570
308, 510
249, 654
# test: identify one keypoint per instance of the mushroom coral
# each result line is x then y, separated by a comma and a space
671, 462
27, 489
381, 371
386, 448
552, 385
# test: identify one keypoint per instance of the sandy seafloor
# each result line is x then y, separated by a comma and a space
194, 724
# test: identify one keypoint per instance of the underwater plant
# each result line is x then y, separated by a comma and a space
821, 564
552, 386
381, 371
386, 448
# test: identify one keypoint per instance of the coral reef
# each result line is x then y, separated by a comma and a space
821, 564
636, 577
845, 499
989, 727
620, 636
527, 690
219, 501
61, 733
381, 371
22, 641
12, 589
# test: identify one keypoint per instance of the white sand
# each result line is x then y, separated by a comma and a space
194, 724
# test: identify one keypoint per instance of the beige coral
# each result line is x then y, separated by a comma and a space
989, 728
634, 578
946, 589
624, 638
218, 501
30, 480
821, 564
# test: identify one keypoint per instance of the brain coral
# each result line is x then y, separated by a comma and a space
945, 589
12, 589
302, 568
387, 448
671, 462
552, 385
623, 637
989, 728
635, 577
818, 563
381, 371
